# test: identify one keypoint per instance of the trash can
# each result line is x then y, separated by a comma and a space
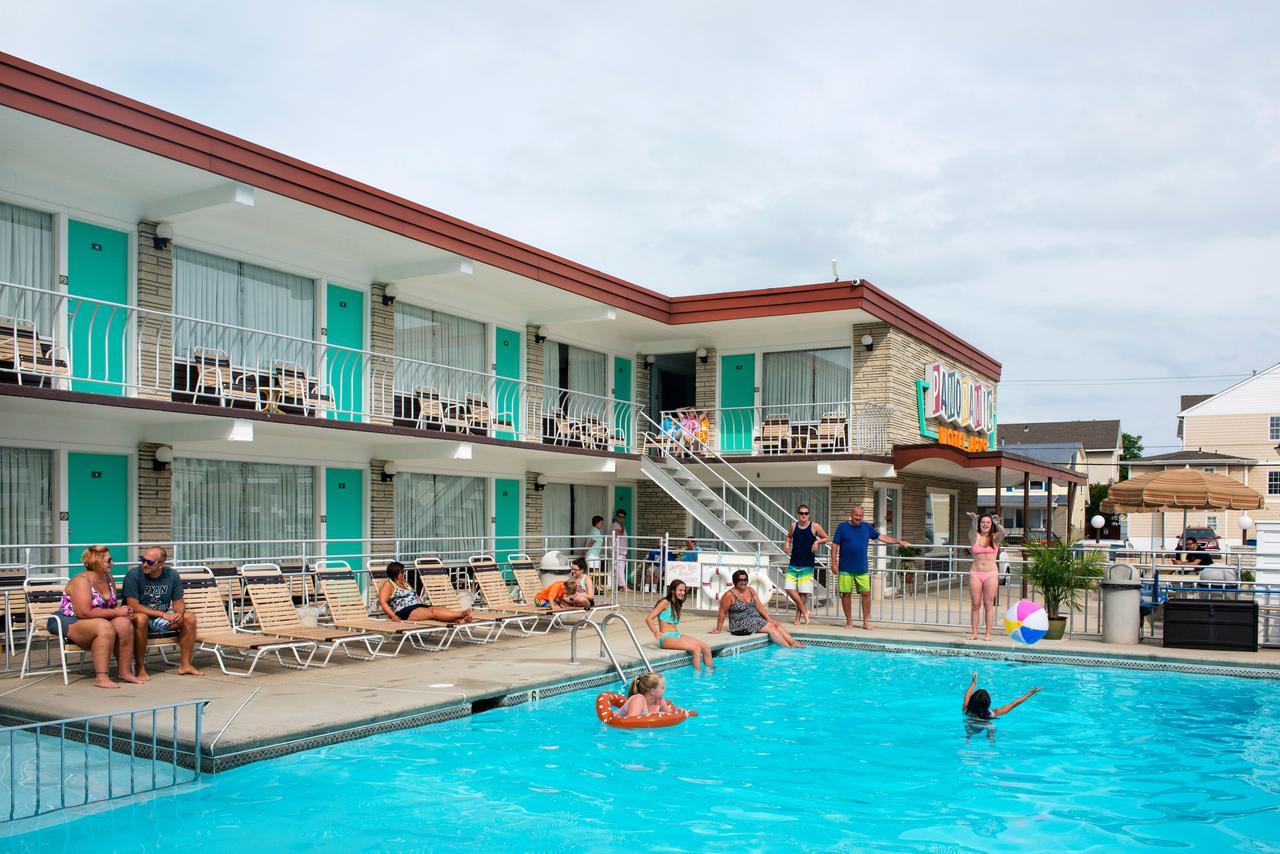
1121, 604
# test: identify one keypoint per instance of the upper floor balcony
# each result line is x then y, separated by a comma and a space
781, 430
53, 340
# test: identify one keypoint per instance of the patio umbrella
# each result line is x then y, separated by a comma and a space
1180, 489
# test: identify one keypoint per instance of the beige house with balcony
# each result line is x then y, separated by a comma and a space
1235, 433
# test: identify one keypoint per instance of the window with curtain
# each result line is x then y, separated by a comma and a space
566, 514
804, 384
26, 258
234, 502
441, 514
222, 290
580, 375
426, 335
26, 502
788, 498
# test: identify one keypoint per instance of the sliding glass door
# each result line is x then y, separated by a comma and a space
441, 514
804, 385
234, 503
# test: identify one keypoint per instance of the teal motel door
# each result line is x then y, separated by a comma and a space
97, 335
507, 398
506, 518
98, 505
344, 515
737, 403
344, 364
624, 417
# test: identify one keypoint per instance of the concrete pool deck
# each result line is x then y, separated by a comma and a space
280, 711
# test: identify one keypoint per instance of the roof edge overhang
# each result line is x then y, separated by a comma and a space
56, 97
905, 455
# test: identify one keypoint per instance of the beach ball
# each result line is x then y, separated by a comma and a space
1026, 622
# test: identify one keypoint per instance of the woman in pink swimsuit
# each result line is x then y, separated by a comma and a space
984, 574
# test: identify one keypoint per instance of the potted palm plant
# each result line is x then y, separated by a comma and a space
1061, 572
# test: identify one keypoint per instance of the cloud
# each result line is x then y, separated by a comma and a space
1079, 190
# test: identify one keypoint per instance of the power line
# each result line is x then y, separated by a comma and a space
1128, 380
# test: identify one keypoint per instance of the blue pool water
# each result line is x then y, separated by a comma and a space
809, 749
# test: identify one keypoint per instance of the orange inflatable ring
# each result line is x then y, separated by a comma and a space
610, 700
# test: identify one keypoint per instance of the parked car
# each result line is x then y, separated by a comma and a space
1204, 537
1036, 536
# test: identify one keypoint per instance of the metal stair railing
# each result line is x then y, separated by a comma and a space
606, 651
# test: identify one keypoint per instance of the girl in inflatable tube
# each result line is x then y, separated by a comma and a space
664, 622
644, 706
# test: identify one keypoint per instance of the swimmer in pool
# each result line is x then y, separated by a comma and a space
977, 703
645, 697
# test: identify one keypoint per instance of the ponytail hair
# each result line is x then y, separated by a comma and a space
644, 683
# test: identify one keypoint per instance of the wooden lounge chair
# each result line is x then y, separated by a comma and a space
269, 592
13, 601
430, 408
477, 414
833, 433
347, 610
291, 386
26, 352
775, 435
298, 574
43, 596
493, 587
433, 580
203, 596
213, 377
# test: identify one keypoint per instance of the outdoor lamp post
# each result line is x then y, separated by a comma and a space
1098, 522
1245, 524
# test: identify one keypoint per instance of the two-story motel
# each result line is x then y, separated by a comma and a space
205, 341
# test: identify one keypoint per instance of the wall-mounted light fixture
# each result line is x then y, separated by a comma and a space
868, 342
539, 334
650, 359
390, 293
164, 456
540, 483
164, 235
389, 472
702, 355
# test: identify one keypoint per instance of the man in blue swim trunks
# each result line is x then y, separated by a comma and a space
154, 591
849, 553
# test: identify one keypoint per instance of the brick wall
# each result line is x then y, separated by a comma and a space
533, 527
705, 392
642, 392
534, 373
155, 293
382, 340
658, 513
382, 509
155, 498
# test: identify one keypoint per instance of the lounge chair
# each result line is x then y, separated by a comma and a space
775, 435
833, 433
43, 595
269, 592
529, 581
496, 595
202, 596
14, 604
347, 610
436, 586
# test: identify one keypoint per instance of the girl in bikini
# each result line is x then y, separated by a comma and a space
984, 575
664, 622
645, 697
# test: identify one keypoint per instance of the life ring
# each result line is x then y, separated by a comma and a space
763, 585
716, 581
610, 700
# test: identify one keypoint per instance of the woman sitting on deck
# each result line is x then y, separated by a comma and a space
664, 622
92, 617
399, 602
747, 614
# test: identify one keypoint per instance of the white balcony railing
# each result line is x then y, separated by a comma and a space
845, 427
56, 340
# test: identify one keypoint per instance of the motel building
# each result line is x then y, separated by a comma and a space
209, 344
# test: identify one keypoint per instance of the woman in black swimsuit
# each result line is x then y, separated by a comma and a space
747, 615
399, 602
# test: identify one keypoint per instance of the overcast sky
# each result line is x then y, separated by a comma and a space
1082, 190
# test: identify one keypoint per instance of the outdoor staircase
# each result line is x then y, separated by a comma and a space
691, 480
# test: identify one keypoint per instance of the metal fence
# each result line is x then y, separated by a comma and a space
52, 339
838, 427
73, 762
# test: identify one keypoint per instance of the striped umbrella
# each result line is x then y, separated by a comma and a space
1180, 489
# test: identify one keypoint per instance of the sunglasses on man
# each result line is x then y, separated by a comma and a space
146, 561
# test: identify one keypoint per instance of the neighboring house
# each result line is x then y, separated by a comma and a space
1102, 442
1064, 455
1235, 433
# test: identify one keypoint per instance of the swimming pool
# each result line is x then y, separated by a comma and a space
809, 749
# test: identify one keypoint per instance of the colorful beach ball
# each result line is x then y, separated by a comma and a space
1026, 622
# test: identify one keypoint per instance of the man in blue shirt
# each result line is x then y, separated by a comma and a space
849, 554
154, 591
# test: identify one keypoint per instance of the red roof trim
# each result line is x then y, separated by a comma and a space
45, 93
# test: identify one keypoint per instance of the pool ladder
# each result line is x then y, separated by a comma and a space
606, 651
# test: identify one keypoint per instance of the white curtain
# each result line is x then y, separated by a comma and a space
567, 510
575, 369
441, 339
26, 502
441, 514
232, 501
803, 384
26, 258
222, 290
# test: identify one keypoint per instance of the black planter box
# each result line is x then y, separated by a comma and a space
1211, 624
